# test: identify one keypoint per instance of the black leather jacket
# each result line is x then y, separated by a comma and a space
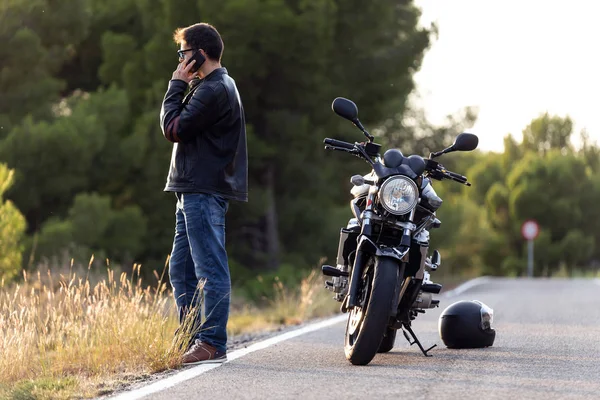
209, 131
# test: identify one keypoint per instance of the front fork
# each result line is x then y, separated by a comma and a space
366, 248
347, 287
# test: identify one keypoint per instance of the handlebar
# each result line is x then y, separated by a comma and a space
364, 151
456, 177
338, 143
437, 171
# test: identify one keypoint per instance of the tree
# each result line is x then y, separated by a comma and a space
38, 37
548, 132
12, 229
300, 40
99, 133
543, 179
93, 226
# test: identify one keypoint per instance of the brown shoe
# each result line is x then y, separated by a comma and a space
203, 353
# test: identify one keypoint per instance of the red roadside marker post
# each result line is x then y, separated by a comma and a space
530, 230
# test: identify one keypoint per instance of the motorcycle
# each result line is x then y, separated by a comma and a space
382, 276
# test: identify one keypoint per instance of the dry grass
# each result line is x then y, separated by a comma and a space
55, 329
288, 307
62, 336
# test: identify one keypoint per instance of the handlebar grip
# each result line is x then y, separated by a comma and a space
456, 176
338, 143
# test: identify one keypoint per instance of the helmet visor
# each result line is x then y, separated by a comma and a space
487, 315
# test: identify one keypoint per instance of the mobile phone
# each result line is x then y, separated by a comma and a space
199, 61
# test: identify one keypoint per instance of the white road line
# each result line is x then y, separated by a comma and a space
466, 286
193, 372
200, 369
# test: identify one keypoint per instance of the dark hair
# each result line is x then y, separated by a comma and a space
201, 36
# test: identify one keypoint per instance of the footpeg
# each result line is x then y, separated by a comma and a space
328, 270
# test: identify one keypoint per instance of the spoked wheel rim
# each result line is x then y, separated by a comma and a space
354, 320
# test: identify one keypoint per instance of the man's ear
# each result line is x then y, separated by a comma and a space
203, 53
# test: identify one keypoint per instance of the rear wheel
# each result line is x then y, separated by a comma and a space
368, 321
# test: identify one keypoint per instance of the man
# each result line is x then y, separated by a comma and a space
208, 169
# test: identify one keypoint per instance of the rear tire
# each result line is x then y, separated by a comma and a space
365, 327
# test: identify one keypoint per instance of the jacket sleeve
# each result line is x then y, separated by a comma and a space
181, 123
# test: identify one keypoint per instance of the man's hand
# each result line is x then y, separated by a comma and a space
183, 72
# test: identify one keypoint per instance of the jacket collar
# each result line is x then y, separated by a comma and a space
194, 83
215, 74
212, 76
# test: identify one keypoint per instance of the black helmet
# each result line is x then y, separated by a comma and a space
467, 324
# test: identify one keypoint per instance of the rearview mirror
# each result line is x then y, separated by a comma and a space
465, 142
345, 108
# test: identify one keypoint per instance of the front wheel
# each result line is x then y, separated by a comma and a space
368, 321
387, 343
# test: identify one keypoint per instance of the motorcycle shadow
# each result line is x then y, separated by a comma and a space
440, 356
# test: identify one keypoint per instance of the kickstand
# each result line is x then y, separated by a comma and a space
408, 328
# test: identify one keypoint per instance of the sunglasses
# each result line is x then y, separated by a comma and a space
181, 53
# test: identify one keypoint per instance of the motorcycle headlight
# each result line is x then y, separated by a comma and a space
399, 195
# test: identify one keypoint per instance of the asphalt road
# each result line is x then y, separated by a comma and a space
547, 347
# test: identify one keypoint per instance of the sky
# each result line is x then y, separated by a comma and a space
513, 60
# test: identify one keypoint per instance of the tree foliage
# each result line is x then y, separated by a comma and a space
81, 85
80, 125
12, 229
545, 179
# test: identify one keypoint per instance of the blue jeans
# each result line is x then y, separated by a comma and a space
199, 254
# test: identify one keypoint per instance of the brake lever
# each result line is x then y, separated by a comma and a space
328, 147
437, 175
358, 151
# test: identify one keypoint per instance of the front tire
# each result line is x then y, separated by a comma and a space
367, 322
387, 343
